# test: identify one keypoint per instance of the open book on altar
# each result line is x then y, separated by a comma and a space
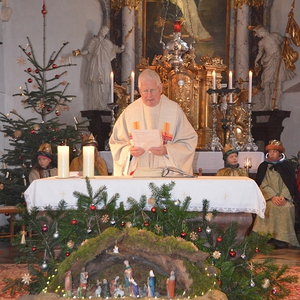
147, 138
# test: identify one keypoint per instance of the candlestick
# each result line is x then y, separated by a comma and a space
88, 161
111, 87
214, 86
230, 86
132, 87
250, 87
63, 161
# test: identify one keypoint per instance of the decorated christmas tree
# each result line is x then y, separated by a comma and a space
45, 94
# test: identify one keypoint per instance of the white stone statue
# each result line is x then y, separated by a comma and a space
101, 51
274, 72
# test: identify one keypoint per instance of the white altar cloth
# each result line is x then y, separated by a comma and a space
225, 194
209, 161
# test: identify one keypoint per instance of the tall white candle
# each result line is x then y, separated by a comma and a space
214, 86
230, 86
88, 161
63, 161
111, 87
250, 87
132, 86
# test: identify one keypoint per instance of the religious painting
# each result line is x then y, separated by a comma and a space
204, 22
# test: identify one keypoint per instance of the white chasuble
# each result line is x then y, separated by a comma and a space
178, 136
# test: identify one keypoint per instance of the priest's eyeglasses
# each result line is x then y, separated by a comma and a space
152, 92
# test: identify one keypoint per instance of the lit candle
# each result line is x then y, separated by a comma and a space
111, 87
250, 87
214, 86
230, 86
132, 86
63, 161
88, 161
248, 162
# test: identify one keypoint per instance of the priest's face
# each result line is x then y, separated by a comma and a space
150, 92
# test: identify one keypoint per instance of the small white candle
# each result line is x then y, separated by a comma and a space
230, 86
63, 161
250, 87
88, 161
132, 87
248, 162
111, 87
214, 86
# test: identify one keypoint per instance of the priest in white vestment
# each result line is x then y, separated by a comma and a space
153, 111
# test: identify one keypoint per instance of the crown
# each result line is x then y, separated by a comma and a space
89, 140
45, 147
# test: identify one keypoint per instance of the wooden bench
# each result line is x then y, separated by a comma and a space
12, 210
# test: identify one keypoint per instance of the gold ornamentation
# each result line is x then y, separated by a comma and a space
119, 4
254, 3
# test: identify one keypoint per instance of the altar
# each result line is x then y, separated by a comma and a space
225, 194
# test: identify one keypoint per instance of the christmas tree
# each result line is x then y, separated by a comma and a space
44, 94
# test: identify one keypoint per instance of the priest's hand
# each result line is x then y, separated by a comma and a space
160, 151
136, 151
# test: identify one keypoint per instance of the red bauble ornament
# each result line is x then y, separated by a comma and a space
29, 70
36, 70
33, 248
165, 210
74, 222
50, 61
32, 131
57, 76
29, 53
48, 108
29, 80
146, 223
232, 253
57, 113
183, 234
199, 229
54, 66
177, 26
7, 214
220, 282
219, 239
123, 224
20, 157
153, 209
92, 207
67, 253
256, 250
45, 228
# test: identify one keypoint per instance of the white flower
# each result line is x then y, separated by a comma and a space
26, 278
216, 254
